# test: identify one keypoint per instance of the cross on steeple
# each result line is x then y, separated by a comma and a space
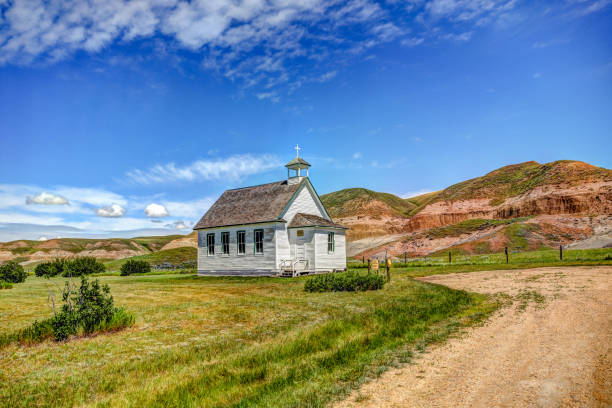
297, 149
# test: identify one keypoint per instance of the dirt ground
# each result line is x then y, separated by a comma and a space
553, 350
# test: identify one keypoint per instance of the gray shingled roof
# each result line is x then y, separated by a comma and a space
309, 220
249, 205
297, 160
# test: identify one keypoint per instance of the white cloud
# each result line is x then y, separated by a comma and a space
111, 211
412, 42
45, 198
272, 96
231, 168
357, 155
179, 225
462, 37
156, 211
189, 209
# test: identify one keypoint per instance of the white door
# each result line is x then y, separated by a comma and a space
300, 251
300, 254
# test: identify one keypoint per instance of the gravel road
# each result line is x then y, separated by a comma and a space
554, 351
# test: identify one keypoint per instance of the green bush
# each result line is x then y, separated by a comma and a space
344, 282
132, 266
53, 268
12, 272
5, 284
90, 309
81, 266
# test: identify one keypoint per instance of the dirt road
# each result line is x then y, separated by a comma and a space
551, 348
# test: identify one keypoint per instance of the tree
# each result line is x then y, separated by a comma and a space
12, 272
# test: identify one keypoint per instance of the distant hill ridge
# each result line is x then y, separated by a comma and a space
111, 248
497, 186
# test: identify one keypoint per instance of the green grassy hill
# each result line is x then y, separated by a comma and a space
355, 201
505, 182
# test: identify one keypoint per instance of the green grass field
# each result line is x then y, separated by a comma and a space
206, 341
175, 256
202, 341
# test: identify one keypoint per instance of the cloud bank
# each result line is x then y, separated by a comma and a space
47, 199
232, 168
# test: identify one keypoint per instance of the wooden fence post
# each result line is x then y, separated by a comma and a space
561, 252
506, 251
369, 265
450, 260
405, 259
388, 274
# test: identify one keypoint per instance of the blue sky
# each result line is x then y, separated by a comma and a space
122, 118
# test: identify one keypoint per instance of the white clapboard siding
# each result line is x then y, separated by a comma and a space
283, 250
305, 202
324, 260
234, 262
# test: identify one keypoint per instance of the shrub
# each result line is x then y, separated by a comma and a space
52, 268
12, 272
90, 309
344, 282
132, 266
5, 284
81, 266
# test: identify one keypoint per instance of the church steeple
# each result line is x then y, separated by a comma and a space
296, 165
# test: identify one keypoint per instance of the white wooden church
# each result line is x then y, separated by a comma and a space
279, 228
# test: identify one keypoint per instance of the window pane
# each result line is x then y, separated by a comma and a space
259, 241
225, 243
241, 242
330, 242
210, 244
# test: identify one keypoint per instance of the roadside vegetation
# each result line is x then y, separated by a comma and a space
350, 281
527, 259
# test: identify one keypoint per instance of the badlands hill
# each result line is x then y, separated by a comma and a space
112, 248
527, 205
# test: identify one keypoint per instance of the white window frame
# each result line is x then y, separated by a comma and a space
331, 235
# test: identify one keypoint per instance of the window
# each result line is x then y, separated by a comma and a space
210, 244
331, 243
225, 243
259, 241
241, 239
300, 233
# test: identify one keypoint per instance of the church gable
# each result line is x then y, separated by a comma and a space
305, 201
